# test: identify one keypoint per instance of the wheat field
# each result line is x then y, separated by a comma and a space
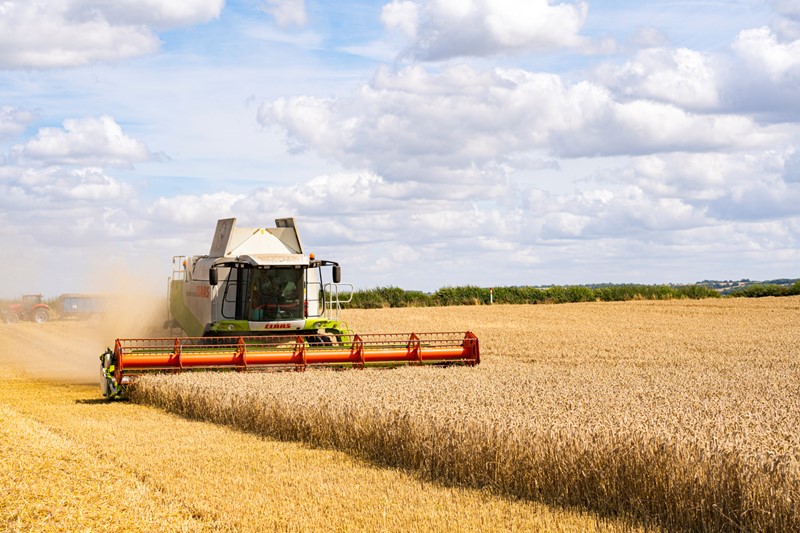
71, 461
677, 414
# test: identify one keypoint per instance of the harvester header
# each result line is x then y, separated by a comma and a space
257, 301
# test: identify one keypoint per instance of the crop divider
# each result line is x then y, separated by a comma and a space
300, 352
414, 348
357, 351
177, 352
241, 353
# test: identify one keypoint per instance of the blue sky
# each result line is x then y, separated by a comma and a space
421, 143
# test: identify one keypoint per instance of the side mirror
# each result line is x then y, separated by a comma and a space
212, 277
337, 273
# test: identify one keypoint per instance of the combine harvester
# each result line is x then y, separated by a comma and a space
257, 301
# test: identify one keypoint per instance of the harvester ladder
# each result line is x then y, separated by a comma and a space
179, 268
334, 299
179, 274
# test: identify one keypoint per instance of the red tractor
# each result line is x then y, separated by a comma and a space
29, 308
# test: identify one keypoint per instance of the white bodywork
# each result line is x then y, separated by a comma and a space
276, 248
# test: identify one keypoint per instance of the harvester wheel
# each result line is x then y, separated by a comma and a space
327, 340
12, 318
320, 340
40, 316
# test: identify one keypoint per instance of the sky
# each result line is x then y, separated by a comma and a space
419, 143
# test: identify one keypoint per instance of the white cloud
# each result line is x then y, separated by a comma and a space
158, 14
759, 76
603, 126
648, 37
723, 187
289, 36
404, 254
766, 199
89, 141
338, 195
13, 121
606, 213
58, 189
189, 210
470, 127
786, 28
763, 54
443, 29
787, 24
68, 33
789, 8
402, 15
683, 77
763, 76
791, 170
705, 176
287, 12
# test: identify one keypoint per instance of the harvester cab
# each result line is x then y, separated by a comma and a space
256, 281
258, 301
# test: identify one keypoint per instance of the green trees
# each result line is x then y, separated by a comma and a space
472, 295
761, 290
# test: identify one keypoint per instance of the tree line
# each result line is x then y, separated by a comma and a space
472, 295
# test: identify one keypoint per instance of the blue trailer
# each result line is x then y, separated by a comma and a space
83, 305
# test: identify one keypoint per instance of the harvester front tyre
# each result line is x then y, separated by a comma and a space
108, 385
104, 384
40, 316
12, 318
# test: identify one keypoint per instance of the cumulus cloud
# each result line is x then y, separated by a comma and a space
696, 164
721, 185
402, 15
787, 24
789, 8
764, 76
612, 128
158, 14
791, 169
188, 210
600, 226
89, 141
49, 189
683, 77
83, 184
693, 177
648, 37
760, 75
442, 29
56, 185
763, 53
768, 199
287, 12
349, 207
68, 33
605, 212
467, 126
13, 121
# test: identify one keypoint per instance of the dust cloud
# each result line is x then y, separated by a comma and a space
68, 349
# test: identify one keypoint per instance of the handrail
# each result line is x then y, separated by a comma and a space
333, 301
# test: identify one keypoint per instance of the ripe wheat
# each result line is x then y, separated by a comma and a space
681, 414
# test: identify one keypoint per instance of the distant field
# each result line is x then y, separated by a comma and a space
677, 413
70, 461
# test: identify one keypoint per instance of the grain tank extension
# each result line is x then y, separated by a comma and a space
258, 301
